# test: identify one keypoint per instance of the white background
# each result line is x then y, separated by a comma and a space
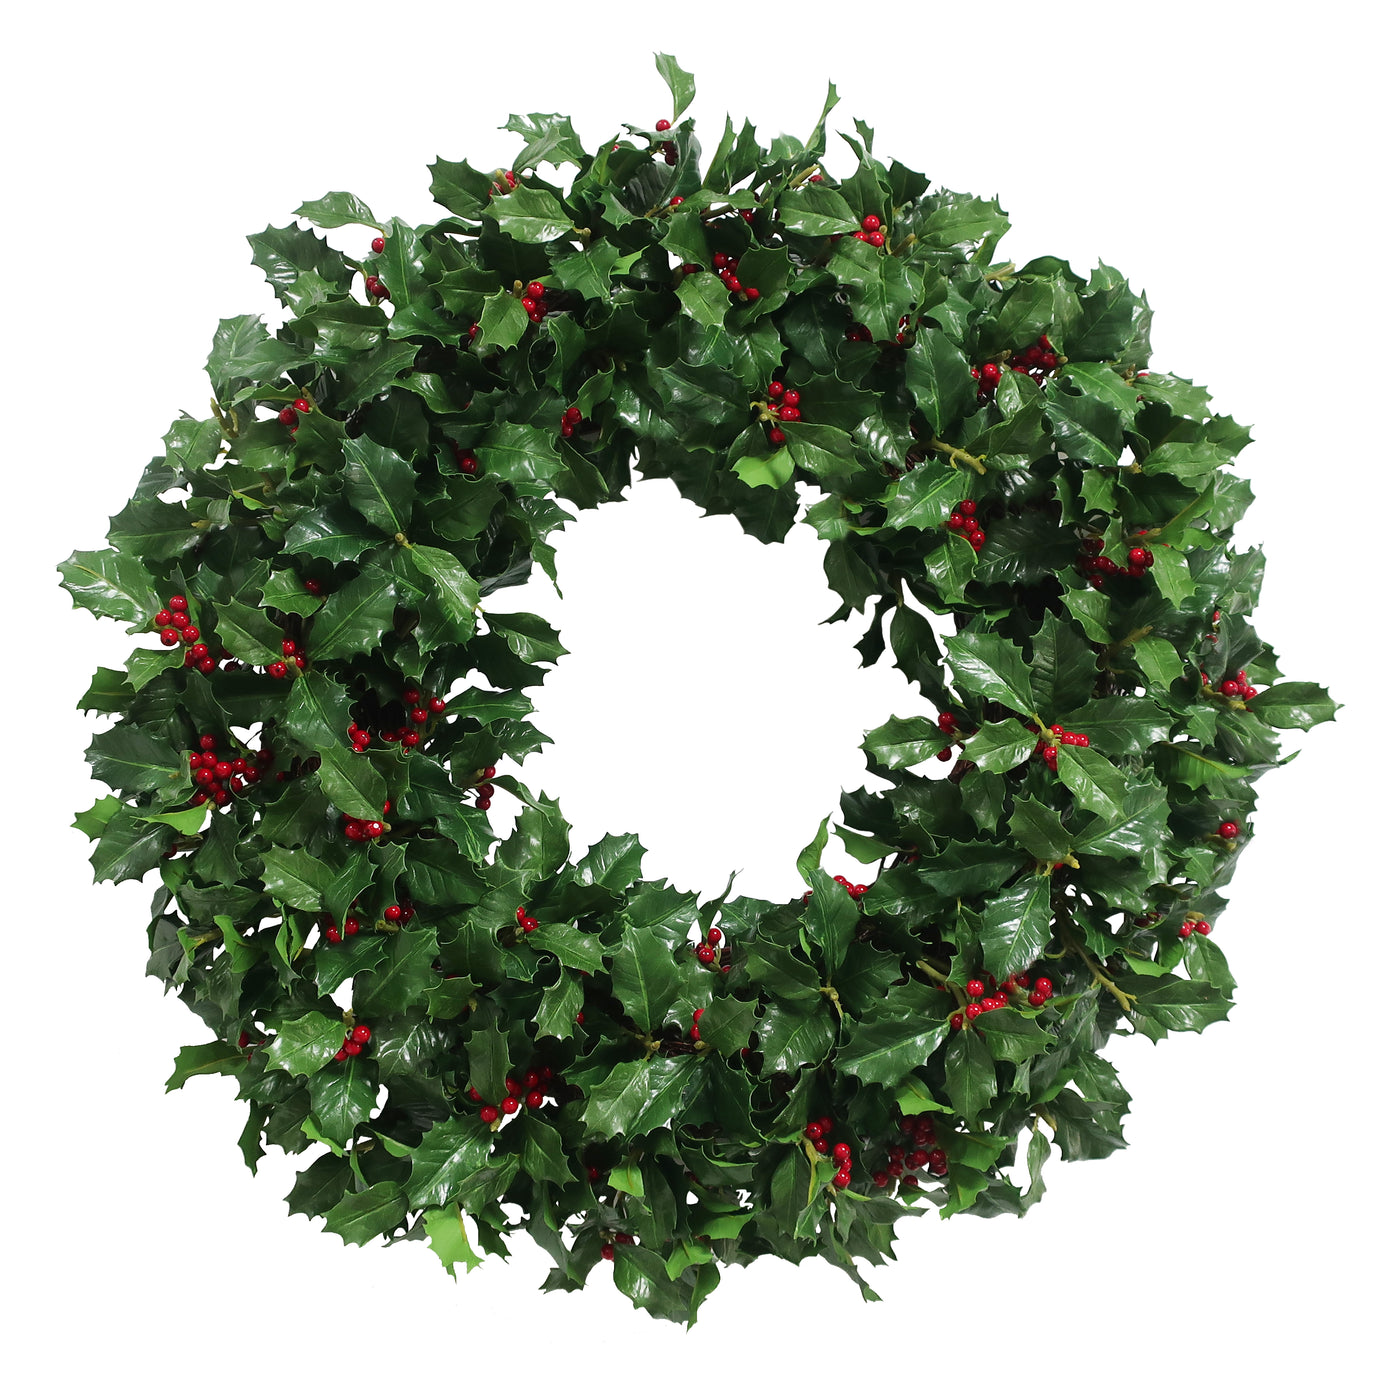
1231, 160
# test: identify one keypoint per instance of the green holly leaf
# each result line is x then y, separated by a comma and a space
1294, 705
573, 947
791, 1039
361, 1216
1094, 783
541, 1150
1016, 926
1013, 1035
306, 1044
336, 209
355, 617
449, 1154
773, 470
830, 918
969, 1074
342, 1097
531, 215
295, 878
316, 716
640, 1095
249, 633
218, 1057
455, 589
447, 1238
503, 321
110, 584
404, 978
1119, 724
681, 83
923, 499
613, 863
816, 211
1038, 830
992, 667
1158, 660
1001, 746
1064, 667
937, 373
704, 298
901, 743
882, 1050
128, 759
644, 975
379, 484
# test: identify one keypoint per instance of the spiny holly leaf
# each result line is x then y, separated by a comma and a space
448, 1155
639, 1095
681, 83
644, 976
302, 1046
111, 584
447, 1238
1016, 926
992, 666
355, 617
362, 1216
379, 484
336, 209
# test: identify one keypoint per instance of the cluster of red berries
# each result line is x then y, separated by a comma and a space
871, 231
505, 181
219, 780
355, 1042
528, 923
1190, 926
816, 1132
398, 913
294, 654
708, 948
357, 830
533, 302
856, 892
290, 416
375, 287
668, 148
920, 1152
484, 788
948, 723
407, 736
725, 263
979, 1000
569, 420
783, 406
1239, 687
174, 622
335, 933
1098, 566
622, 1237
963, 521
1051, 752
695, 1019
531, 1089
858, 332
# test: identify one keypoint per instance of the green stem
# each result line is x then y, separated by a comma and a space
959, 455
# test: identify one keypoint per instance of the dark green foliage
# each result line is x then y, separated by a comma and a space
995, 865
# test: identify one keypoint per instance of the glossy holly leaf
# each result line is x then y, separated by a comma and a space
681, 83
317, 716
572, 946
883, 1049
295, 878
774, 469
1064, 667
449, 1154
817, 211
639, 1095
531, 215
336, 209
790, 1039
1158, 660
110, 584
901, 743
403, 979
379, 484
1094, 782
1294, 705
938, 376
503, 321
541, 1150
362, 1216
923, 499
613, 863
249, 634
455, 590
1013, 1035
218, 1057
830, 918
342, 1097
969, 1074
1038, 830
1119, 724
306, 1044
129, 759
991, 666
1016, 926
355, 617
644, 975
1001, 746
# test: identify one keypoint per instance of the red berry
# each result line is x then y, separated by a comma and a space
606, 1251
361, 1035
974, 1011
705, 953
1137, 556
162, 618
288, 416
975, 988
489, 1114
393, 913
535, 290
777, 436
376, 245
663, 125
842, 1179
812, 1131
509, 1104
467, 463
842, 1151
1229, 830
437, 705
1229, 688
1044, 986
374, 830
352, 1048
169, 637
956, 1020
870, 223
775, 389
714, 938
876, 240
178, 603
1037, 998
302, 405
342, 1054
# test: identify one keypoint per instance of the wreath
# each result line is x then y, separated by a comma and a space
466, 1030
